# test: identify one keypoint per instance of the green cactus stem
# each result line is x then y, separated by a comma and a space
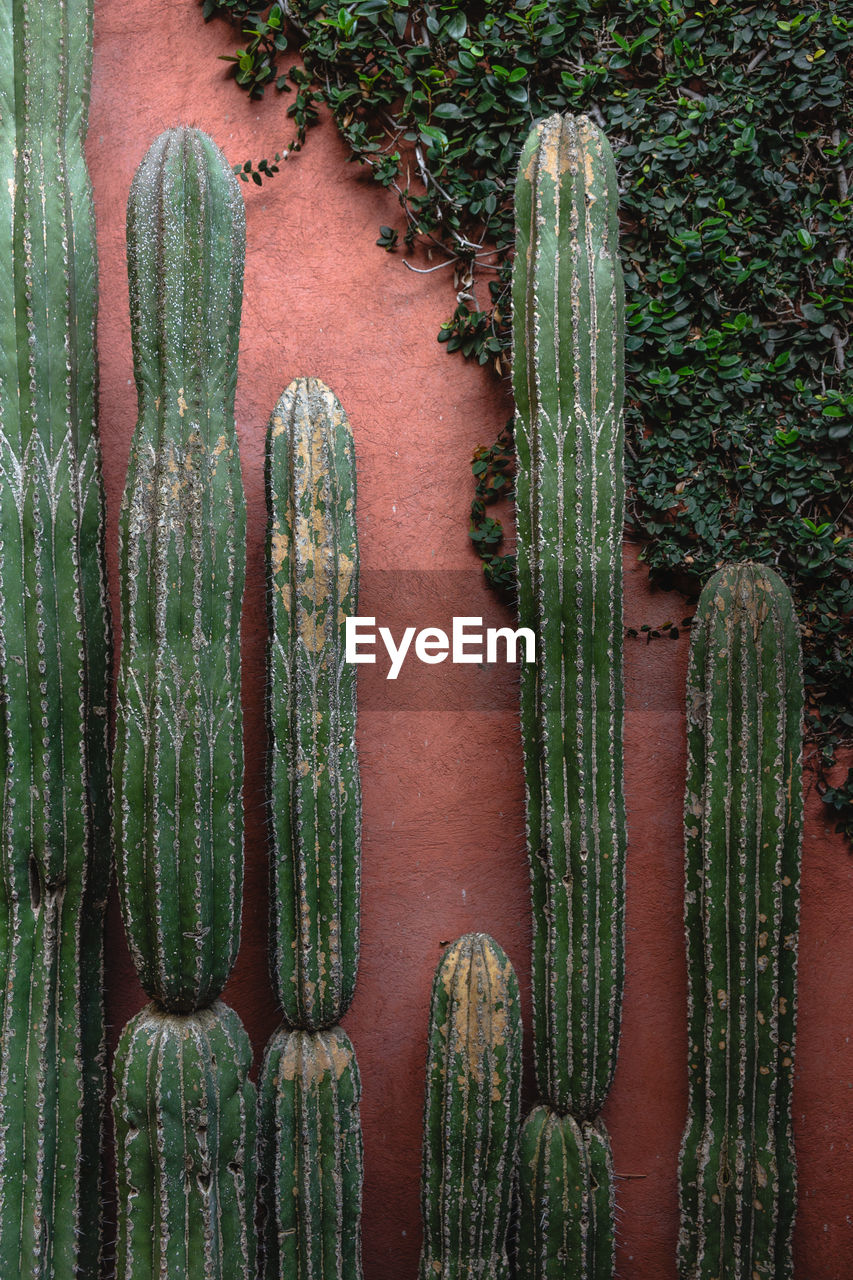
310, 1157
743, 830
185, 1115
179, 757
54, 655
568, 381
566, 1198
314, 789
472, 1113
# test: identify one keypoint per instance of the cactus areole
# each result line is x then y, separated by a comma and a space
54, 655
179, 752
743, 827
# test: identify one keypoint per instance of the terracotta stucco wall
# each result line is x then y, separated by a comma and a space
441, 766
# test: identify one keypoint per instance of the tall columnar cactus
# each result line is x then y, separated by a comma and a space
179, 755
743, 825
568, 383
568, 379
54, 654
310, 1165
184, 1106
314, 789
472, 1113
310, 1157
185, 1136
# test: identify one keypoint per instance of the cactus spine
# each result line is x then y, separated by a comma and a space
310, 1170
568, 377
472, 1113
743, 827
54, 655
182, 1083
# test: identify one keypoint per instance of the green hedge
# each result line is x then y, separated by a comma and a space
732, 135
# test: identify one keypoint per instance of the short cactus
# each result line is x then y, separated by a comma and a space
565, 1179
310, 1157
472, 1113
184, 1115
314, 789
54, 655
743, 825
179, 756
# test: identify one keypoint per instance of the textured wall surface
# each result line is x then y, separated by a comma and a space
443, 849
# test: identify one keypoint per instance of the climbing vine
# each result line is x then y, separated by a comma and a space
731, 128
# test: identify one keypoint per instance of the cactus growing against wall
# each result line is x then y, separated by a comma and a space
472, 1112
314, 788
185, 1126
310, 1163
179, 752
54, 655
184, 1106
310, 1157
743, 825
568, 380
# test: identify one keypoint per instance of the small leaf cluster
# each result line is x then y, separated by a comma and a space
731, 129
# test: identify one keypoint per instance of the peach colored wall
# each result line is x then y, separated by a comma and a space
443, 844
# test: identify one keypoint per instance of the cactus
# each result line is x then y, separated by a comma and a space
471, 1117
743, 826
314, 790
54, 655
568, 379
566, 1194
568, 383
179, 758
310, 1157
184, 1114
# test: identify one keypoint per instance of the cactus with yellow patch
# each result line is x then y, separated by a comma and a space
472, 1113
184, 1106
310, 1166
568, 380
54, 655
743, 829
310, 1161
314, 787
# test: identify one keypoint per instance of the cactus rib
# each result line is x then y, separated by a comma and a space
568, 381
54, 654
472, 1113
314, 789
743, 826
179, 755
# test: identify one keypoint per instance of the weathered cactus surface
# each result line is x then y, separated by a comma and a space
472, 1113
568, 380
743, 827
314, 789
565, 1179
54, 647
185, 1116
179, 755
310, 1157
